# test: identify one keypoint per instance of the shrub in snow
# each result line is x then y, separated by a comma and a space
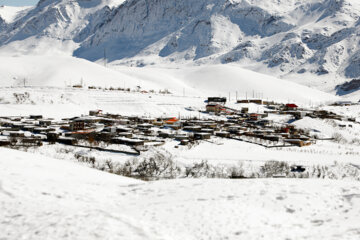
355, 141
339, 138
157, 163
237, 171
83, 158
336, 171
206, 170
21, 98
198, 170
272, 168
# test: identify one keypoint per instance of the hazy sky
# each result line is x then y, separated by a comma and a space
18, 2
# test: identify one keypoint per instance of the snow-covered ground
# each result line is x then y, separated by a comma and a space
43, 198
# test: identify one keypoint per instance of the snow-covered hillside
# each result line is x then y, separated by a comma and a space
42, 198
64, 71
10, 14
308, 41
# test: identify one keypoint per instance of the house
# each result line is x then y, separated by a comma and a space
291, 107
144, 126
202, 135
16, 134
31, 141
104, 136
45, 123
192, 128
147, 120
234, 129
221, 100
52, 136
298, 114
207, 130
125, 134
36, 117
273, 138
171, 120
256, 101
244, 110
208, 124
264, 122
4, 142
216, 108
67, 140
184, 142
180, 137
255, 116
165, 134
223, 134
343, 103
127, 141
123, 121
77, 125
41, 130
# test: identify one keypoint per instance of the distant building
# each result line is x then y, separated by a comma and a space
256, 101
291, 106
221, 100
95, 112
343, 103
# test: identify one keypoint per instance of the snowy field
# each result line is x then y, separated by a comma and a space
44, 198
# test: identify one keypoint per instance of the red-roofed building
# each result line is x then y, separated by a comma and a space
291, 106
172, 120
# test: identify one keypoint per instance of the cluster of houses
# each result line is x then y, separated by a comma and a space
217, 106
139, 132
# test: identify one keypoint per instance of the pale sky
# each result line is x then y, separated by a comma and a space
18, 2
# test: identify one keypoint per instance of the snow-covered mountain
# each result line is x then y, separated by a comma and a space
285, 38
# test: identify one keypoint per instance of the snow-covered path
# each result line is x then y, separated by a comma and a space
44, 198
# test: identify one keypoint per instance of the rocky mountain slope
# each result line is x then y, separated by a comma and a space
285, 38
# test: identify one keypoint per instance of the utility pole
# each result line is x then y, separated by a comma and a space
236, 96
24, 82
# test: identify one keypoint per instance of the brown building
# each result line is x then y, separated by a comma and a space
216, 108
77, 125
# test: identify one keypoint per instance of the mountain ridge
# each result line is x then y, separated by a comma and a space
288, 39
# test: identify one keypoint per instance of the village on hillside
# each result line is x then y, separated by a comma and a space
135, 134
